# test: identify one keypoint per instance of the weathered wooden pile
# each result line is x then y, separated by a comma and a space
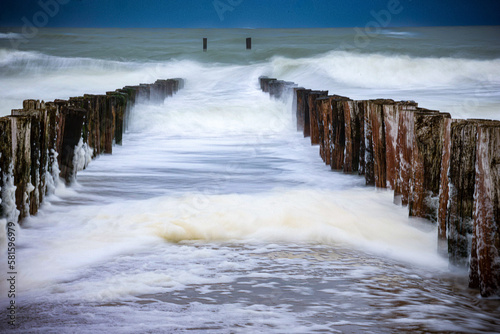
47, 140
446, 170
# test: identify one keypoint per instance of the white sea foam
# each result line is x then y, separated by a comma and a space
397, 34
463, 87
82, 156
379, 71
31, 62
90, 235
10, 35
9, 195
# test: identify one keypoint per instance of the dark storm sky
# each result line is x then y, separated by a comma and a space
247, 13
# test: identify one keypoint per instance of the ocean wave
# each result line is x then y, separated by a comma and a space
358, 70
273, 217
443, 83
14, 62
388, 71
10, 35
398, 34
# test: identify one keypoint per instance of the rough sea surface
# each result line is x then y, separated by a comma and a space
216, 216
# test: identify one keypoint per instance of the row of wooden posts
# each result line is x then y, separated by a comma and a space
248, 43
46, 141
443, 169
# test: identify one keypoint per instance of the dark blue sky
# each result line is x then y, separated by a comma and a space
247, 13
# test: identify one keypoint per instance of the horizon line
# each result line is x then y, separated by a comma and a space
254, 28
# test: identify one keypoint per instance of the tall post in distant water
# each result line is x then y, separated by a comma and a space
249, 43
205, 43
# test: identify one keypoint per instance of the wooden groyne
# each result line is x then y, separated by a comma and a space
46, 141
443, 169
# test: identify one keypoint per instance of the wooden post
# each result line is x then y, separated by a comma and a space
21, 160
205, 43
249, 43
485, 254
8, 201
265, 83
427, 151
353, 136
324, 107
310, 119
302, 107
457, 198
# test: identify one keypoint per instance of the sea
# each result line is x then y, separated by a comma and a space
216, 215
